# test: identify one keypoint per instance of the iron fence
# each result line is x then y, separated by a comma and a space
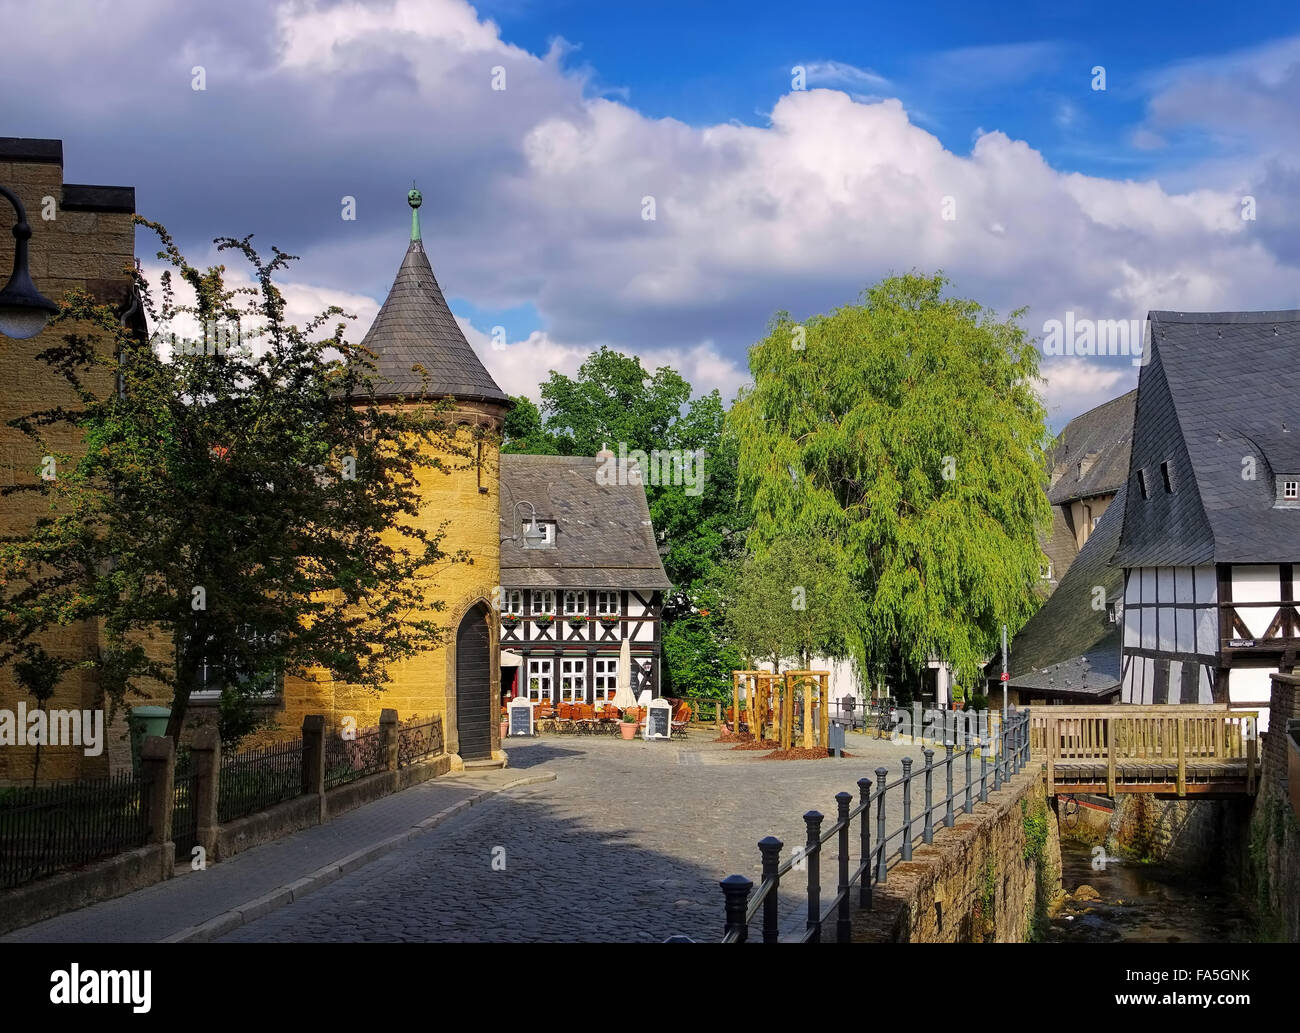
253, 780
46, 828
1010, 753
353, 757
417, 740
185, 814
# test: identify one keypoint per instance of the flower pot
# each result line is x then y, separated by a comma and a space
505, 729
628, 729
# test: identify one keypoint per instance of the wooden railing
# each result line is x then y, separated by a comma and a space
1176, 734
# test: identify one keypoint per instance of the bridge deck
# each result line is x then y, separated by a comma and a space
1224, 775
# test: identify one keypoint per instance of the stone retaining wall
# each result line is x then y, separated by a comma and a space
990, 878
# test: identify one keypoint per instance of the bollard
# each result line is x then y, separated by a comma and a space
770, 849
843, 921
881, 871
968, 806
812, 855
735, 888
948, 819
906, 849
864, 886
928, 832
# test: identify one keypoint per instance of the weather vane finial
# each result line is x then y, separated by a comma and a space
414, 199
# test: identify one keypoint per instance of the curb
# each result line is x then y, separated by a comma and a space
261, 906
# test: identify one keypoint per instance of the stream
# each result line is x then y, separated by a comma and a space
1141, 903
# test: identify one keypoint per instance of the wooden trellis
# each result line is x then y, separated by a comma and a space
770, 701
813, 684
760, 690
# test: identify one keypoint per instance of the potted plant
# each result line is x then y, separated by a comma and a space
577, 621
628, 725
505, 724
544, 618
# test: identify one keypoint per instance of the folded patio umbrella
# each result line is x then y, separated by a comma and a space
623, 698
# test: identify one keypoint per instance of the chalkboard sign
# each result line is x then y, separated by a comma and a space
658, 722
521, 717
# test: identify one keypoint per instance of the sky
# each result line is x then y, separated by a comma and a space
795, 154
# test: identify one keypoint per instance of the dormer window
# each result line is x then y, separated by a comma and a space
1167, 477
1142, 484
1288, 491
1045, 570
547, 540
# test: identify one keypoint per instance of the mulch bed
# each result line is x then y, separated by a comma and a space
816, 753
733, 737
759, 744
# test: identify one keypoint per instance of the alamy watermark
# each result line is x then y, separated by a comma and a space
37, 727
1092, 337
218, 339
660, 467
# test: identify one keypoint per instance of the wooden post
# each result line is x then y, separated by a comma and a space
825, 723
1112, 733
1181, 745
1053, 735
717, 714
735, 702
1250, 760
808, 692
787, 714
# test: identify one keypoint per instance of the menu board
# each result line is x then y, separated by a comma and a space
659, 723
521, 719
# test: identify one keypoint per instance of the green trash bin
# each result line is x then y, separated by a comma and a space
144, 722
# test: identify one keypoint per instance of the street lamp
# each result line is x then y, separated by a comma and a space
534, 536
24, 310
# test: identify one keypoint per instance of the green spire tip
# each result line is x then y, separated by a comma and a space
415, 199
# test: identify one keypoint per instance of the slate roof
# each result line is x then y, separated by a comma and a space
1067, 647
1101, 438
603, 537
1219, 388
416, 328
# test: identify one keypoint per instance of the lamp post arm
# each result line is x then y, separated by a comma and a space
22, 229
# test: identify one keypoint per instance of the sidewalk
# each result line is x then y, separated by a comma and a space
197, 906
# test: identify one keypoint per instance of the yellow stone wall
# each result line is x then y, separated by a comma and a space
424, 685
93, 251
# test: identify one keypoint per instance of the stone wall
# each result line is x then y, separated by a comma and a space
1273, 844
1196, 835
990, 878
83, 237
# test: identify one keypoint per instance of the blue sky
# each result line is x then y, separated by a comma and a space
1060, 199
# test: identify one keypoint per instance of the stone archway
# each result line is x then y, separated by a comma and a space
475, 707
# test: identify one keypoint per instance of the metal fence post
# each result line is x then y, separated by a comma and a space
843, 922
864, 799
997, 757
735, 888
948, 820
927, 832
881, 871
906, 849
770, 849
812, 854
983, 767
969, 805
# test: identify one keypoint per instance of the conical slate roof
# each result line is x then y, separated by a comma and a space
416, 328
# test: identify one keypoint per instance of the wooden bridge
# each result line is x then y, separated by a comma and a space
1176, 749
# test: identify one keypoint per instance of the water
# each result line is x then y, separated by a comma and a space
1143, 903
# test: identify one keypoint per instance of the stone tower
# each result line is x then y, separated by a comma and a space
460, 682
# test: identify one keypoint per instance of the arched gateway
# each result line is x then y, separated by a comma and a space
474, 685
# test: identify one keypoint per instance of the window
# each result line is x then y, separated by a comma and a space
1167, 478
1142, 484
1291, 490
543, 602
573, 681
539, 680
607, 604
1045, 570
215, 675
513, 602
547, 527
606, 676
575, 604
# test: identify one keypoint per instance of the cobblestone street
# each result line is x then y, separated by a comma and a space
628, 844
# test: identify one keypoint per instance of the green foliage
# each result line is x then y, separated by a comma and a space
978, 701
1036, 829
698, 660
788, 601
908, 435
233, 506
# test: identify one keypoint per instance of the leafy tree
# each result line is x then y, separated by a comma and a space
789, 601
906, 433
523, 431
244, 506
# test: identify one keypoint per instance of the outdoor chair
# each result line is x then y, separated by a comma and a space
681, 720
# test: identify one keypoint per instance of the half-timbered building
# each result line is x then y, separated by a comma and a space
580, 574
1210, 544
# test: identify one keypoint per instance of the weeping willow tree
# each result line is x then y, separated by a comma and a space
906, 433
